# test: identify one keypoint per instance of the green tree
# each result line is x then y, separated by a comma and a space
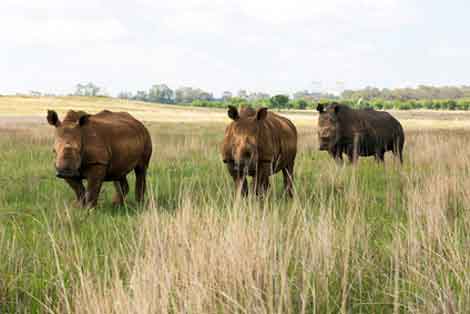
280, 101
161, 93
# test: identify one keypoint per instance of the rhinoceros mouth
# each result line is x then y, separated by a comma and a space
67, 174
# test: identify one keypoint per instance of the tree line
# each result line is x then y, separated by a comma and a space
422, 92
422, 97
161, 93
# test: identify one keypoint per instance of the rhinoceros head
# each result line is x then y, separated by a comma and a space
245, 138
68, 143
327, 125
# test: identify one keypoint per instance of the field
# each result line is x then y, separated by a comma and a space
363, 239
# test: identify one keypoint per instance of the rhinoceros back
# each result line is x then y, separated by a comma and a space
370, 130
278, 141
117, 140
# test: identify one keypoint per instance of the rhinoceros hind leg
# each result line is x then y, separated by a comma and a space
288, 173
140, 183
398, 150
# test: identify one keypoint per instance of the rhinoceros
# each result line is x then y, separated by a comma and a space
102, 147
259, 143
364, 132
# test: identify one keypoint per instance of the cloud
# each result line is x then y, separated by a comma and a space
27, 5
58, 31
268, 45
55, 23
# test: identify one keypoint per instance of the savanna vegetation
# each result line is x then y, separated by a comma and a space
363, 239
421, 97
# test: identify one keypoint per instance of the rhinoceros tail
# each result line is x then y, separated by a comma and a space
399, 144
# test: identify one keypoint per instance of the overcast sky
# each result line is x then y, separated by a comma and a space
258, 45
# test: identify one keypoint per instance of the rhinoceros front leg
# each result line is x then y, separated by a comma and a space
261, 180
241, 185
352, 154
95, 178
122, 188
78, 188
336, 153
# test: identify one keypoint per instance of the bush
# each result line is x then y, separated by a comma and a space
463, 104
298, 104
388, 105
279, 102
452, 105
405, 106
377, 104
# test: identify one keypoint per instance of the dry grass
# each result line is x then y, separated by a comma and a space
28, 110
252, 258
365, 239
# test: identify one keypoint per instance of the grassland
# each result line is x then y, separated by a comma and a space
364, 239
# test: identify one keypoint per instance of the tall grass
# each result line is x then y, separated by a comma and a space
365, 239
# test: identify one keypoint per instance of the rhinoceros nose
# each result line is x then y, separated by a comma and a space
239, 166
236, 166
66, 173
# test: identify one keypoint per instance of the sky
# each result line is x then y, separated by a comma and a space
217, 45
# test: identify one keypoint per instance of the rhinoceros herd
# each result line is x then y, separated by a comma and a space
109, 145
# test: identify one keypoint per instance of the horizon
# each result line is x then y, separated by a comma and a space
103, 91
258, 46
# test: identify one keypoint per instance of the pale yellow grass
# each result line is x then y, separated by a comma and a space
265, 260
320, 253
35, 107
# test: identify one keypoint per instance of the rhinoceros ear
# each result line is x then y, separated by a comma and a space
320, 108
233, 113
83, 119
337, 108
261, 113
53, 118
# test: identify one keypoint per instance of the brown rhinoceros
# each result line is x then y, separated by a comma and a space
364, 132
98, 148
259, 144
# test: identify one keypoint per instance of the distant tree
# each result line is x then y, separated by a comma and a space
262, 102
299, 104
422, 92
242, 94
237, 101
202, 95
255, 96
186, 95
125, 95
88, 89
141, 95
280, 101
160, 93
226, 95
301, 94
35, 93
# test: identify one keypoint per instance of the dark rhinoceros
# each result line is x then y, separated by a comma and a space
364, 132
98, 148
